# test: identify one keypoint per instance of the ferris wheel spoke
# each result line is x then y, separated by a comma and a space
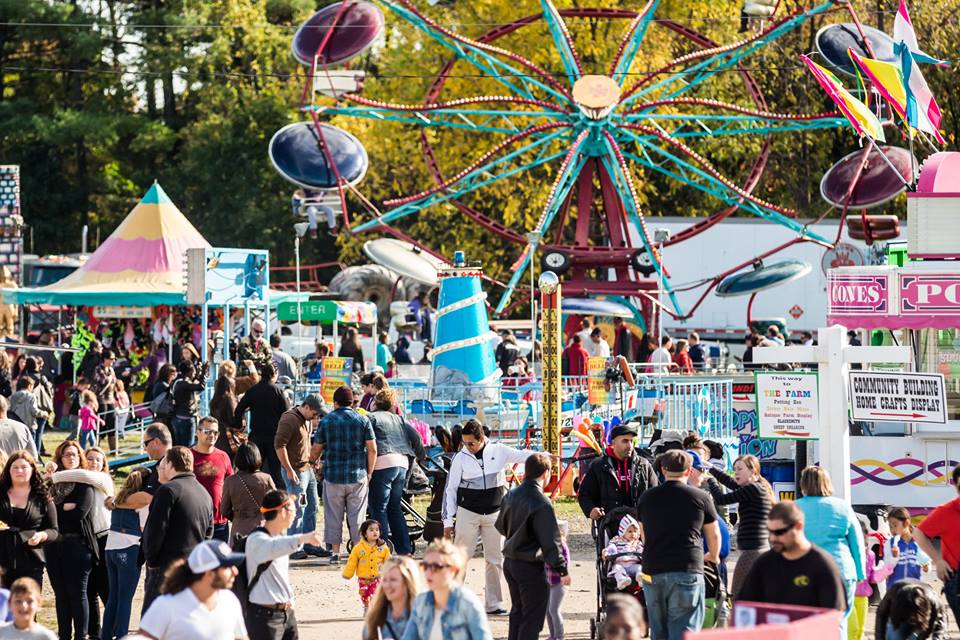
680, 82
701, 125
631, 42
476, 178
572, 166
562, 41
484, 57
478, 120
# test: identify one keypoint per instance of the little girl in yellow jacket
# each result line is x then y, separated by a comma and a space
365, 560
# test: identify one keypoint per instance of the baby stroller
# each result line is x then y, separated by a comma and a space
603, 530
716, 610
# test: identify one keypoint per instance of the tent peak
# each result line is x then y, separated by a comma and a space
156, 195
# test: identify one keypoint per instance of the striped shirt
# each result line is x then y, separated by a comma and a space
753, 507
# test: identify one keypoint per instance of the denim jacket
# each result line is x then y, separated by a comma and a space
463, 619
125, 521
391, 435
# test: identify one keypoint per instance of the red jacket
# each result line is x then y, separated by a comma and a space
684, 361
575, 360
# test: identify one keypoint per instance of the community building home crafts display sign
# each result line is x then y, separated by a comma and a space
788, 405
893, 397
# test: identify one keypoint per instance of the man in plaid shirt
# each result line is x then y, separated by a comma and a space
346, 440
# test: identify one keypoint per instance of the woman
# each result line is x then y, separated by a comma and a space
911, 610
351, 348
371, 383
448, 605
122, 551
19, 364
6, 386
831, 524
390, 608
186, 391
43, 392
101, 480
754, 497
71, 558
243, 491
30, 517
223, 407
682, 357
228, 369
161, 387
397, 443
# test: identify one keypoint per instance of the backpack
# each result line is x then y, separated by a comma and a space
244, 584
162, 403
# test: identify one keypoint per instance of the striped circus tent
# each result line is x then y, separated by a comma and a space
140, 264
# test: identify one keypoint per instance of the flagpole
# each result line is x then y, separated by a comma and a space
913, 158
887, 160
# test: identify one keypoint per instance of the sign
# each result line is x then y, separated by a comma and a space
842, 255
123, 313
334, 373
788, 405
894, 397
933, 294
796, 311
312, 311
596, 377
849, 294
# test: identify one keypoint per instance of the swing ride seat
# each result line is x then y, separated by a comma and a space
880, 227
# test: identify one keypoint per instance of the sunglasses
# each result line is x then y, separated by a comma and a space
148, 441
209, 432
433, 566
780, 532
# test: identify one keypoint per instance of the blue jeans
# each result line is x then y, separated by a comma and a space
183, 431
88, 439
386, 491
306, 518
38, 435
123, 571
675, 604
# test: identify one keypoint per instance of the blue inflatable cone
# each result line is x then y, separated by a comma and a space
463, 354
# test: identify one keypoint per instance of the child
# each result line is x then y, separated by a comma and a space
25, 602
875, 572
122, 407
366, 559
625, 569
557, 590
89, 420
901, 551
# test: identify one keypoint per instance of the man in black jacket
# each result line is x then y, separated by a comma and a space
616, 479
181, 517
266, 403
529, 525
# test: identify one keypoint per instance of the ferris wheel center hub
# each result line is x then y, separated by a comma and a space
596, 95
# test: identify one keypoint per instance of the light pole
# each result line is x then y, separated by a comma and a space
660, 236
533, 238
301, 229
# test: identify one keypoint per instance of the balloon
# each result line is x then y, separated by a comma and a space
597, 420
588, 441
584, 428
615, 420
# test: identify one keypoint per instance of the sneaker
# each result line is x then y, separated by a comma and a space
498, 612
318, 552
299, 555
334, 558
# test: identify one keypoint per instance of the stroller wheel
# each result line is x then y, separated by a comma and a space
593, 629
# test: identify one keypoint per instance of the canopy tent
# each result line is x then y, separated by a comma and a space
140, 264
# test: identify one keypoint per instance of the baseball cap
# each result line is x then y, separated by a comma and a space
314, 402
212, 554
674, 461
623, 430
697, 460
343, 396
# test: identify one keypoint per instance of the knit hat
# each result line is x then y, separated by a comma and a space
627, 522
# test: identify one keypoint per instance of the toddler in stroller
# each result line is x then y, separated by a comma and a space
623, 553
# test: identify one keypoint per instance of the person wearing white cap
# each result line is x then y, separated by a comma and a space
197, 603
625, 552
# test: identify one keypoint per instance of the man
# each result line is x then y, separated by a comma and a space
156, 442
212, 467
506, 352
697, 354
574, 358
601, 348
14, 435
254, 348
181, 517
292, 444
532, 538
618, 478
622, 339
944, 523
349, 448
186, 391
197, 601
806, 338
475, 488
23, 404
270, 600
662, 356
586, 329
313, 362
794, 571
91, 360
283, 361
773, 335
674, 520
266, 403
105, 386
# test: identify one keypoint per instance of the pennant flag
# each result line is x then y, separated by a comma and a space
886, 78
858, 114
923, 112
903, 32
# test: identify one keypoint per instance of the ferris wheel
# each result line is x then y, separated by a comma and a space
592, 131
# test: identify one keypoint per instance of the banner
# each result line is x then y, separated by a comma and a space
596, 377
787, 405
334, 373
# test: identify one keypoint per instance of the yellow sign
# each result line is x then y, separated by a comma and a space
334, 373
596, 377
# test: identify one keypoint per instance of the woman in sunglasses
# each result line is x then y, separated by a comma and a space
448, 609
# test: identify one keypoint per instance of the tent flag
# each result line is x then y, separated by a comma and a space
903, 32
858, 114
923, 112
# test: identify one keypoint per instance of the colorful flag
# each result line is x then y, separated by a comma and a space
903, 32
886, 78
858, 114
923, 112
